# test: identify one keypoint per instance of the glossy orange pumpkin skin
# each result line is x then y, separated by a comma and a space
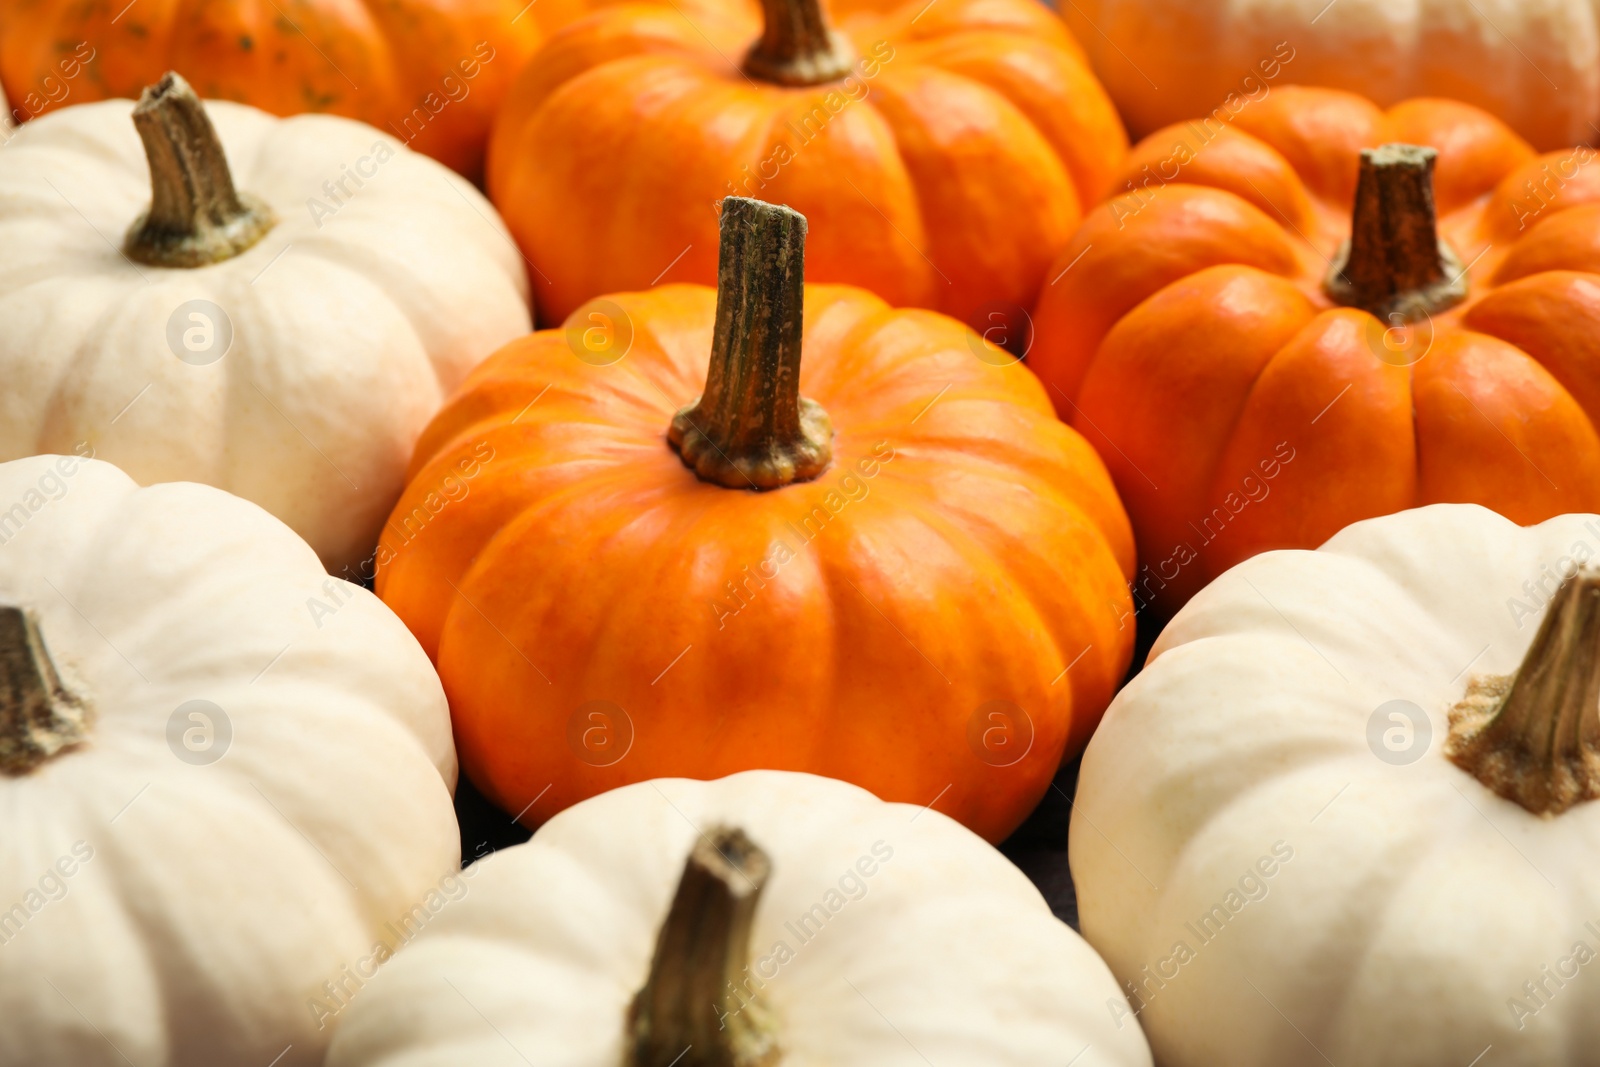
945, 173
963, 548
430, 72
1193, 344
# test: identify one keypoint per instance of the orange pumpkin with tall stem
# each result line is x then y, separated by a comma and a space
943, 152
1287, 327
887, 562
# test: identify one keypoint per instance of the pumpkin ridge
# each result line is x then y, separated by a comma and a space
906, 99
85, 357
1550, 422
620, 613
620, 26
1028, 469
1089, 185
382, 277
1228, 437
980, 529
1566, 364
614, 478
1206, 243
835, 381
841, 560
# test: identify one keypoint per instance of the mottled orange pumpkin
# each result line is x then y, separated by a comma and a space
943, 152
1270, 334
926, 595
430, 72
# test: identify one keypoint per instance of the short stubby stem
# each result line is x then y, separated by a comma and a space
797, 47
39, 715
1394, 265
751, 428
196, 216
701, 1005
1534, 736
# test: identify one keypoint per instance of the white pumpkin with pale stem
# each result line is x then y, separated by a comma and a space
160, 909
360, 282
905, 940
1321, 824
1533, 63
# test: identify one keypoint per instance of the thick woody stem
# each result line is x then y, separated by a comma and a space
797, 47
1534, 736
196, 216
39, 716
699, 1007
751, 428
1394, 263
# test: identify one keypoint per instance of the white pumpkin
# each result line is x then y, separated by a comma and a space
235, 776
298, 363
1295, 838
1533, 63
833, 927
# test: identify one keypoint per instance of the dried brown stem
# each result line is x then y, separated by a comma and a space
196, 216
751, 428
1394, 263
699, 1008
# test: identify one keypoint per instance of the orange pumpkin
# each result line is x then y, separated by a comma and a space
430, 72
1275, 333
913, 577
942, 151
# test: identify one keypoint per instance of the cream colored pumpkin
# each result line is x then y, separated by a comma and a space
383, 281
1533, 63
1296, 840
881, 934
244, 776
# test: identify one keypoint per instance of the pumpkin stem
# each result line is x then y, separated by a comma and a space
751, 428
700, 1006
1395, 263
797, 47
1534, 736
196, 216
39, 716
